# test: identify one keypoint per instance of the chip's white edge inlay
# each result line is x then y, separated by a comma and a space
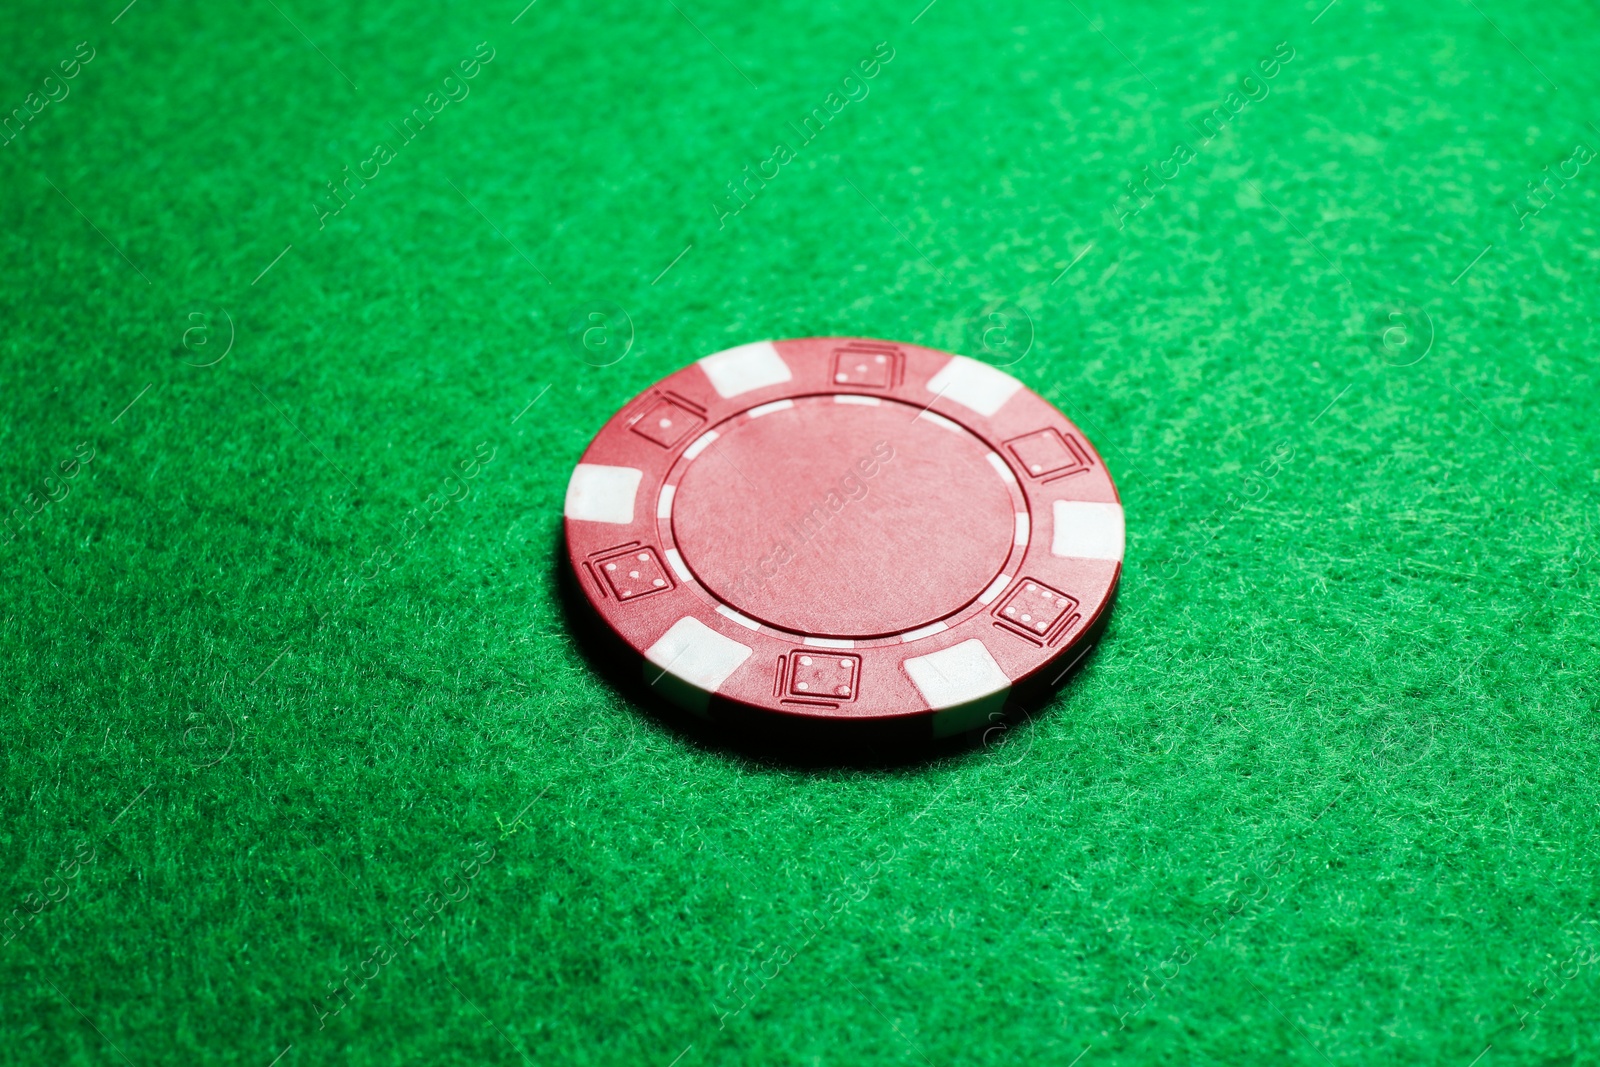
701, 443
956, 675
768, 409
1022, 528
1087, 530
1000, 466
699, 655
926, 631
973, 384
664, 502
742, 620
739, 370
829, 642
940, 420
678, 566
996, 587
598, 493
854, 398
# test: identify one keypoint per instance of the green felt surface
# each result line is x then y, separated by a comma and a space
1324, 795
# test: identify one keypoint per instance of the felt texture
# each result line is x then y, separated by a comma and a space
301, 758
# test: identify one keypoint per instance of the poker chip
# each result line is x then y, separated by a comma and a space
845, 529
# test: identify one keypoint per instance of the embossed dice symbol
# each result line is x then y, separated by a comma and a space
634, 573
1035, 609
1048, 454
666, 422
827, 676
865, 367
862, 369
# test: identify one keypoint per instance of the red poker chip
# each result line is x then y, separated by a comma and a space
843, 529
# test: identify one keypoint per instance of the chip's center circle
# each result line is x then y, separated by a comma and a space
844, 517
